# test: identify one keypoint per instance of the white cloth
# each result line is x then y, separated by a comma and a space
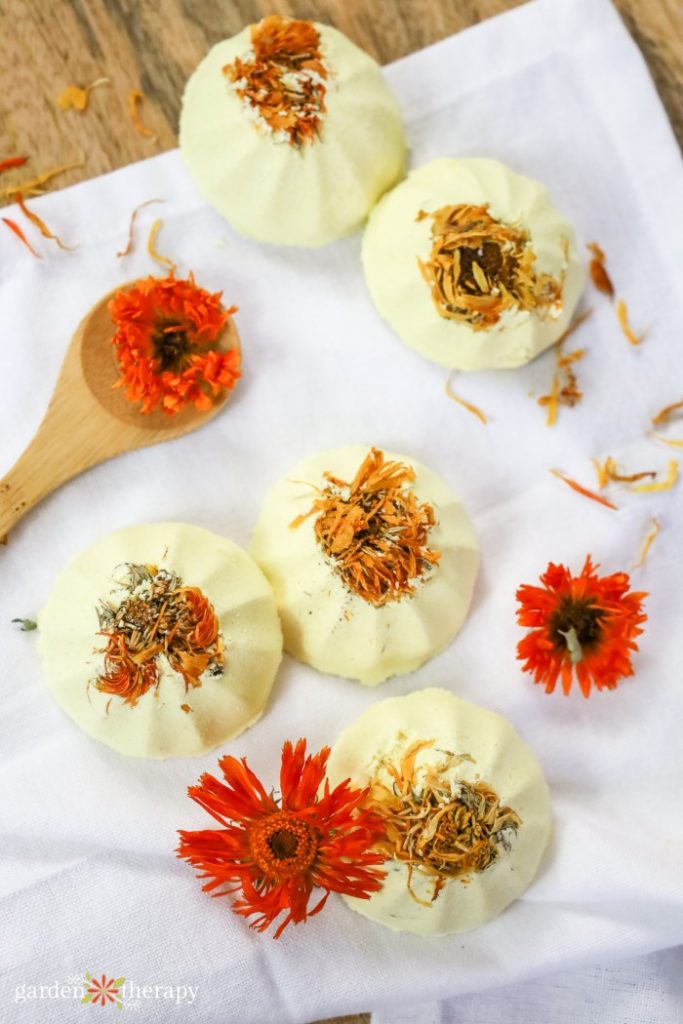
89, 882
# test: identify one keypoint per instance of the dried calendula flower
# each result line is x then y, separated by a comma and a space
372, 559
140, 627
283, 83
375, 530
464, 805
437, 826
155, 616
480, 267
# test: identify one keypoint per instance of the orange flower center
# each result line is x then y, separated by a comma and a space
579, 616
283, 845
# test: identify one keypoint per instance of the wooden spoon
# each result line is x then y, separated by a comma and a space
88, 421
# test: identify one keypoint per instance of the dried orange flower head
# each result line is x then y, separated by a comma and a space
437, 825
154, 617
166, 330
374, 530
583, 624
480, 267
275, 852
283, 83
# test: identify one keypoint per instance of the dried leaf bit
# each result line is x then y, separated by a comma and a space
26, 625
41, 225
131, 225
282, 85
374, 531
156, 616
440, 826
13, 226
135, 98
479, 268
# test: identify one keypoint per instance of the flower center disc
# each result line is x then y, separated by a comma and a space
283, 845
171, 348
582, 617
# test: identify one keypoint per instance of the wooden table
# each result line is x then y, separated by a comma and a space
153, 45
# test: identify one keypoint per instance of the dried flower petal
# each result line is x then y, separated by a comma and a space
475, 410
135, 98
34, 185
598, 271
608, 472
13, 226
584, 625
622, 317
661, 485
580, 489
131, 225
276, 851
284, 82
647, 543
673, 442
12, 161
666, 413
76, 97
41, 225
151, 247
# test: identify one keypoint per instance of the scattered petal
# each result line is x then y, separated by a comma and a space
40, 224
583, 490
461, 401
598, 272
647, 543
151, 247
12, 161
131, 226
661, 485
21, 236
135, 97
622, 317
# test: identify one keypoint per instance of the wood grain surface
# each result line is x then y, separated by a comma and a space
153, 45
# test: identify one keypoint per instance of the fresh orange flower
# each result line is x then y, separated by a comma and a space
584, 624
165, 330
276, 851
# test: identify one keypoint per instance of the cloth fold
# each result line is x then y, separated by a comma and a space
89, 882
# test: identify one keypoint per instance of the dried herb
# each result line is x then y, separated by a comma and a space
475, 410
131, 225
374, 531
438, 825
479, 268
41, 225
156, 616
21, 236
26, 625
135, 98
151, 247
580, 489
283, 83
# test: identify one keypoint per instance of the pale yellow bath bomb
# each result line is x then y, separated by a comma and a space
409, 261
284, 186
497, 757
169, 719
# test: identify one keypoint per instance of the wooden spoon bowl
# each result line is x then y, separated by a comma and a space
89, 421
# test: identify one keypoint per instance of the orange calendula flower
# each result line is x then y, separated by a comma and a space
583, 624
275, 852
165, 334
